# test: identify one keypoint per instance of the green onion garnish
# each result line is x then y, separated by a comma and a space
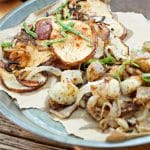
121, 68
28, 31
146, 77
68, 28
6, 44
50, 42
109, 60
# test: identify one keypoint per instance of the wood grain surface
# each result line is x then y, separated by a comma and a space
13, 137
6, 7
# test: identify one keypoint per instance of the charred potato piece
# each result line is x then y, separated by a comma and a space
74, 76
117, 48
19, 56
143, 95
144, 64
102, 31
130, 85
93, 108
94, 71
10, 82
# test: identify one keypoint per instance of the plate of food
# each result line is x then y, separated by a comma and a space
75, 72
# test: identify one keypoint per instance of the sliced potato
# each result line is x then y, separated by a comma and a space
95, 8
74, 76
130, 85
37, 57
143, 95
11, 83
118, 49
113, 91
75, 50
94, 71
114, 26
27, 56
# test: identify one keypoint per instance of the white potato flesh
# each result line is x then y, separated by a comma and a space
63, 93
107, 90
94, 71
95, 8
130, 85
37, 57
74, 76
11, 83
99, 52
113, 89
114, 26
118, 49
75, 50
143, 94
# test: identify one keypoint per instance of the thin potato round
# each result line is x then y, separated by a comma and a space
76, 50
10, 82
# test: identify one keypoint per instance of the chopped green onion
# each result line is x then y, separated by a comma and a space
63, 32
119, 72
66, 27
110, 60
6, 44
50, 42
146, 77
91, 61
90, 46
71, 24
28, 31
133, 63
121, 68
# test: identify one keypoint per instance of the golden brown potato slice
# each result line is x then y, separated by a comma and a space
95, 8
118, 49
75, 50
10, 82
37, 57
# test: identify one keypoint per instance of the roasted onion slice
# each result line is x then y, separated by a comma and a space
64, 113
36, 70
37, 81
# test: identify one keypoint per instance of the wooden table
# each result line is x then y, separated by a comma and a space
12, 137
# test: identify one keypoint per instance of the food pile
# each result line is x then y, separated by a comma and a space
82, 45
